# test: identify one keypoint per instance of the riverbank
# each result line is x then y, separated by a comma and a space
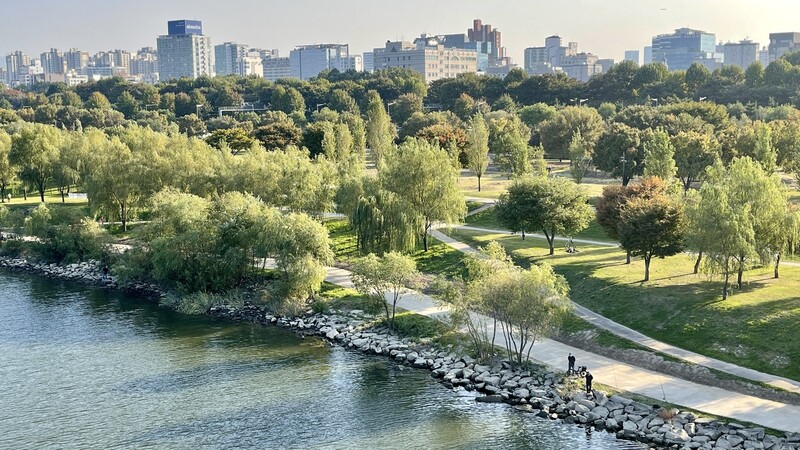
543, 393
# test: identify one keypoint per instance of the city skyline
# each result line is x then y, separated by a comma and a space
366, 25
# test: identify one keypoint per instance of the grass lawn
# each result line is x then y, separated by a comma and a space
488, 219
440, 258
755, 327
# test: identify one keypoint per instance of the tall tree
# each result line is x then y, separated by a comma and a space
554, 206
7, 170
694, 152
580, 157
35, 149
478, 147
652, 227
380, 131
557, 132
659, 156
422, 174
619, 152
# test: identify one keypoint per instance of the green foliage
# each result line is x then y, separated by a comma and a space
618, 142
287, 100
557, 132
387, 276
554, 206
379, 129
236, 139
659, 156
405, 106
278, 135
694, 152
477, 151
652, 227
580, 157
35, 150
508, 142
422, 176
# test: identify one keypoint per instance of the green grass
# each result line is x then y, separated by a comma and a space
474, 205
338, 297
439, 259
755, 327
488, 219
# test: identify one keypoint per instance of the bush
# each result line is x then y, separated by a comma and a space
320, 306
200, 302
13, 248
72, 243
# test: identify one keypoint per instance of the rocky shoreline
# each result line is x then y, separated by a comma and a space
543, 394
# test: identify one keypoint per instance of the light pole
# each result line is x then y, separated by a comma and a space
623, 161
388, 111
654, 100
702, 98
197, 109
320, 104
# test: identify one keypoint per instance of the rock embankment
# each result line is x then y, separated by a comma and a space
543, 394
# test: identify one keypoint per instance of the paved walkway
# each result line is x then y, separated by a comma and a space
626, 377
637, 337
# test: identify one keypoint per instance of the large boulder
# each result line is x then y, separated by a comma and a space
677, 435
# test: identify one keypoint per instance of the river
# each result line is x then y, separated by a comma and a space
83, 367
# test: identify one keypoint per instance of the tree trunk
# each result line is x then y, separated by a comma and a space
479, 183
2, 193
550, 240
25, 194
725, 285
627, 256
739, 273
686, 184
62, 196
697, 263
124, 219
523, 235
647, 259
425, 241
777, 262
41, 191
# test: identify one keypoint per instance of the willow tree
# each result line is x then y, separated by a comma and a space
477, 150
384, 222
7, 170
34, 150
423, 176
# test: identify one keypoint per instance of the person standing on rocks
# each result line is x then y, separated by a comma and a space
589, 379
571, 362
105, 272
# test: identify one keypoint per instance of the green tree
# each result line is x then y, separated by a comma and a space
192, 125
341, 101
97, 101
423, 176
7, 170
694, 152
385, 278
534, 303
380, 131
405, 106
35, 149
580, 158
235, 139
477, 150
508, 141
278, 135
556, 133
288, 100
127, 105
69, 166
619, 148
652, 227
554, 206
659, 156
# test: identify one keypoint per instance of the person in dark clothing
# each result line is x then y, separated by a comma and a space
571, 361
589, 379
105, 272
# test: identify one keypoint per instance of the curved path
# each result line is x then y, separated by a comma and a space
622, 376
633, 335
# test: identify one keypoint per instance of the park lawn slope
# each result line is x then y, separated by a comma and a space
755, 327
488, 219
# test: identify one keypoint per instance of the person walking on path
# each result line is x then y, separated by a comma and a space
589, 379
571, 361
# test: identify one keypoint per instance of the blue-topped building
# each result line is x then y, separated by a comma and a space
686, 46
181, 27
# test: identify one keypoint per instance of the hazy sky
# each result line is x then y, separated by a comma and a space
604, 27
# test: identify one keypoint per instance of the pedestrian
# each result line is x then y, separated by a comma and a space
571, 361
8, 196
589, 379
105, 272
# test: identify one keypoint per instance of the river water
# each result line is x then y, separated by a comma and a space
83, 367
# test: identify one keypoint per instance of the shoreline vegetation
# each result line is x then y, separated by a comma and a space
427, 344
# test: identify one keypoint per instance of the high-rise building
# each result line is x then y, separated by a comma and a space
632, 55
780, 43
541, 60
14, 65
307, 61
250, 64
582, 66
648, 55
369, 62
276, 68
184, 51
227, 57
53, 62
742, 53
492, 38
763, 56
76, 59
428, 56
686, 46
145, 65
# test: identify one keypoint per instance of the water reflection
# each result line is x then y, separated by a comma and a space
87, 368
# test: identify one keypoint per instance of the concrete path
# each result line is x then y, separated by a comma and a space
626, 377
639, 338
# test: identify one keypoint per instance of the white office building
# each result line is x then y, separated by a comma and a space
227, 57
428, 56
276, 68
184, 51
742, 53
307, 61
